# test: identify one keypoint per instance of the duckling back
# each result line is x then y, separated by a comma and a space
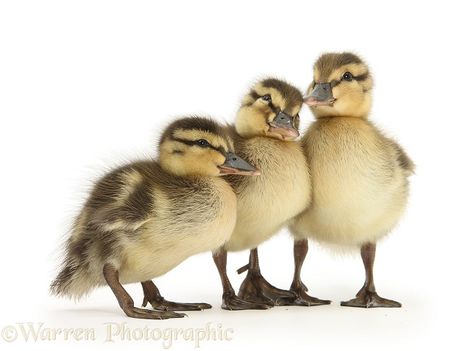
198, 218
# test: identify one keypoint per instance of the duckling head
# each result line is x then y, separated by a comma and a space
200, 146
341, 86
270, 109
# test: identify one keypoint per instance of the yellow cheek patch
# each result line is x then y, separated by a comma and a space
250, 122
170, 146
341, 90
192, 161
199, 156
216, 157
196, 134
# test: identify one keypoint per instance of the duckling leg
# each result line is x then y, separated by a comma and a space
367, 296
152, 295
300, 249
230, 301
256, 288
125, 301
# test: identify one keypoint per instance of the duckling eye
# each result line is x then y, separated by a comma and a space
267, 97
202, 143
347, 76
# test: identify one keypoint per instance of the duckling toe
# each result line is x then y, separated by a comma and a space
305, 300
165, 305
232, 302
141, 313
152, 295
370, 299
256, 288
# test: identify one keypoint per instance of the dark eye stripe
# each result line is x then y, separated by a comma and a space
254, 95
361, 77
184, 141
274, 109
335, 83
194, 143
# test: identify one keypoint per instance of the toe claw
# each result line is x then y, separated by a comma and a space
204, 306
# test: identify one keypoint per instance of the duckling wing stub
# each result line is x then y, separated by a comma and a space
403, 159
122, 200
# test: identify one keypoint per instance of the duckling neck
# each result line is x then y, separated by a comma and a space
177, 171
168, 168
244, 133
247, 135
361, 112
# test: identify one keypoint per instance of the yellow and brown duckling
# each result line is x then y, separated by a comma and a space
143, 219
265, 129
359, 176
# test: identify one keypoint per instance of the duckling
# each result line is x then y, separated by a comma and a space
359, 176
265, 129
143, 219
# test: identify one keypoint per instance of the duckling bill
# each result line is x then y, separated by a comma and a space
359, 176
143, 219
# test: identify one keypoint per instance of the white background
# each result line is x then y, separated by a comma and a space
87, 85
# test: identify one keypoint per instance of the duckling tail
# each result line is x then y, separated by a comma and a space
60, 285
73, 280
76, 276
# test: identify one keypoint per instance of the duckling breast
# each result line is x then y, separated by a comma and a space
267, 202
360, 192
